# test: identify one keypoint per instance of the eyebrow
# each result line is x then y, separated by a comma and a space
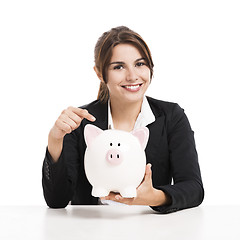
119, 62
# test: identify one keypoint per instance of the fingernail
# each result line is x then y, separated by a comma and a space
118, 197
93, 118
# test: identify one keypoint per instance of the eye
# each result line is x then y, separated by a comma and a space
118, 144
111, 144
139, 64
118, 67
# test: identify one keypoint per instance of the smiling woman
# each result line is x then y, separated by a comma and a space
104, 54
126, 74
124, 65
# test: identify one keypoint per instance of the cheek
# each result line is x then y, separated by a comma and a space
112, 81
114, 77
146, 74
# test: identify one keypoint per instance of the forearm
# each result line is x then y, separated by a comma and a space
183, 195
57, 188
54, 147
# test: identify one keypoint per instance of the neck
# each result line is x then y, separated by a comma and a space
124, 115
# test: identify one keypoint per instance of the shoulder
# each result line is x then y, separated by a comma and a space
174, 115
160, 107
92, 105
95, 107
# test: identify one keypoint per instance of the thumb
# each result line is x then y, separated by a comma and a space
148, 172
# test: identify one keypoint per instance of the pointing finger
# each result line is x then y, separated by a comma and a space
83, 113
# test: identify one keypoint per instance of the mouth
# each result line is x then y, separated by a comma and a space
133, 87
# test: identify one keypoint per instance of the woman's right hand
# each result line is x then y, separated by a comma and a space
69, 120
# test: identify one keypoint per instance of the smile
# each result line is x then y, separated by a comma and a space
133, 88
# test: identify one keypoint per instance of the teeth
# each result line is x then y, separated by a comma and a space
132, 87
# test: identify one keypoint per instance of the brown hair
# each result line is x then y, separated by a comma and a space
103, 53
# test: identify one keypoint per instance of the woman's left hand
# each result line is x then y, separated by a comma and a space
146, 193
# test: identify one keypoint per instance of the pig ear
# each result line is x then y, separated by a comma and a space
142, 134
90, 132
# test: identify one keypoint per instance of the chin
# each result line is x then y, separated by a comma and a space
134, 99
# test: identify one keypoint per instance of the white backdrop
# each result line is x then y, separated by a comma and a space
46, 64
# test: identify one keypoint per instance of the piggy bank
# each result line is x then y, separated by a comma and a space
115, 160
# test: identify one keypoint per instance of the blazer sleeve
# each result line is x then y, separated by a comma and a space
59, 179
187, 188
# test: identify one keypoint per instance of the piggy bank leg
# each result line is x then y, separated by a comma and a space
129, 192
99, 192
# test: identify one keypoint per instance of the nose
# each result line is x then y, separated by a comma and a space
131, 74
114, 157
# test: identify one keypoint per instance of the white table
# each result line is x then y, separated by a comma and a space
118, 222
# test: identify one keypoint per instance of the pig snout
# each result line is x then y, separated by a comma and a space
114, 157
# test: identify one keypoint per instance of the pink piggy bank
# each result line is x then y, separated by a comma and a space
115, 160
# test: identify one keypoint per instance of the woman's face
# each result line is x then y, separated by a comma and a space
128, 76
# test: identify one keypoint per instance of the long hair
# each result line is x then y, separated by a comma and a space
103, 53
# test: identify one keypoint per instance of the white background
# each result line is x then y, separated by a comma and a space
46, 64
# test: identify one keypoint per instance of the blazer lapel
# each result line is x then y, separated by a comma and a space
157, 136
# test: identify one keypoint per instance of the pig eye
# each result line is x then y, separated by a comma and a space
118, 144
110, 144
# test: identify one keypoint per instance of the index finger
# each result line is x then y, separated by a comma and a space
83, 113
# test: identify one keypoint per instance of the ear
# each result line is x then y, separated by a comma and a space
91, 132
142, 135
98, 74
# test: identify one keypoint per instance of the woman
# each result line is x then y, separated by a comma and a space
124, 66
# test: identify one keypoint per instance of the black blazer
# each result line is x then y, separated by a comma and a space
170, 149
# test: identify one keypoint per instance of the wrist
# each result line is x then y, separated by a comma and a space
54, 135
160, 198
